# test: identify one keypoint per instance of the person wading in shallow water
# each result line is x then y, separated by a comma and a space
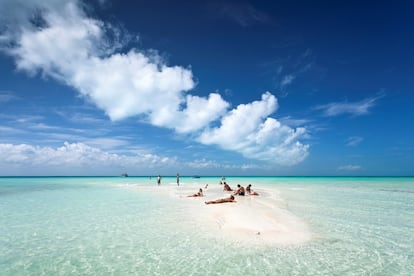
178, 179
159, 179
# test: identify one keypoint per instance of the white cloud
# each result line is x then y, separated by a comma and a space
9, 130
203, 163
355, 109
249, 130
354, 141
57, 39
214, 164
79, 158
289, 69
107, 143
7, 97
243, 14
294, 122
121, 84
73, 155
287, 80
350, 168
198, 113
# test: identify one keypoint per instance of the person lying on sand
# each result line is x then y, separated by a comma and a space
227, 187
221, 200
200, 193
249, 190
240, 190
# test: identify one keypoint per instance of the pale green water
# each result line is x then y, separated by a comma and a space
119, 226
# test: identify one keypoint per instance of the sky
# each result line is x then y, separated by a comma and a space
289, 88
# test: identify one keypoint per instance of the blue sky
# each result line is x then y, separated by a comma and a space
206, 87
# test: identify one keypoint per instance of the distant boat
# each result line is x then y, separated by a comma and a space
124, 175
196, 176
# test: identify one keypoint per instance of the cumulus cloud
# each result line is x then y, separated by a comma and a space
70, 157
198, 113
74, 155
75, 50
59, 40
249, 130
70, 49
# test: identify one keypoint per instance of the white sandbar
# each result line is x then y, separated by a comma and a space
262, 219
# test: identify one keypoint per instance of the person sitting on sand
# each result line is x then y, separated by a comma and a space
200, 193
227, 187
249, 190
240, 190
221, 200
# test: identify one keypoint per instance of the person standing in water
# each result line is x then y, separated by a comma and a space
178, 179
159, 179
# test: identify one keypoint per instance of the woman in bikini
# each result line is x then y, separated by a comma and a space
249, 190
221, 200
200, 193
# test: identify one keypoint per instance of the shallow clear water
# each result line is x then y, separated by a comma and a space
120, 226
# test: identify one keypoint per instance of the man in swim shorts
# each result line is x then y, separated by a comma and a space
240, 190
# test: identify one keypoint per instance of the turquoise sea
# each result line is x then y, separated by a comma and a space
131, 226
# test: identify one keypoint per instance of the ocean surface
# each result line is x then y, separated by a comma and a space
132, 226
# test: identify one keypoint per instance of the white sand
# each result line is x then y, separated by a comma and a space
262, 219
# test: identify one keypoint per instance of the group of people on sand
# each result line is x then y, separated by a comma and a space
240, 191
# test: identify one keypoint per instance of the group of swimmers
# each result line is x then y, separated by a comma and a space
241, 191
